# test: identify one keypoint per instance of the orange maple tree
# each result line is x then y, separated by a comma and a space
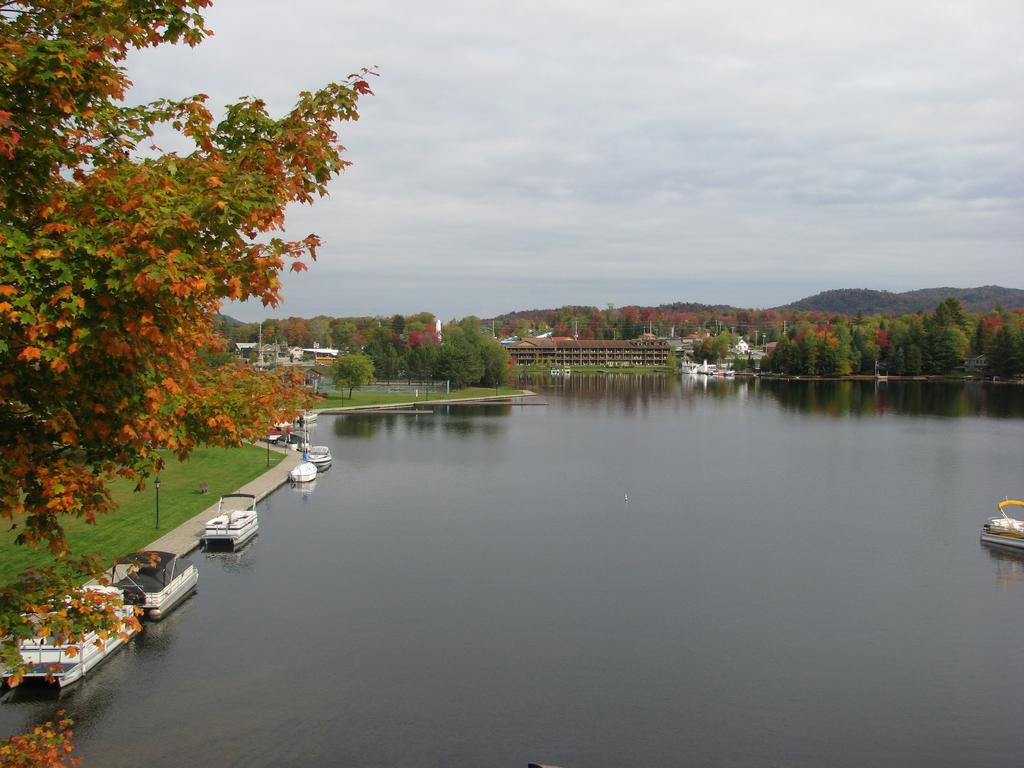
48, 744
115, 256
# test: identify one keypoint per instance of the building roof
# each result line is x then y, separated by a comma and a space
578, 344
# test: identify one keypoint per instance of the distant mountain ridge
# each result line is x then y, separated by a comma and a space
850, 301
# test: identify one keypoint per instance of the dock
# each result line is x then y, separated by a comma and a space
185, 537
407, 406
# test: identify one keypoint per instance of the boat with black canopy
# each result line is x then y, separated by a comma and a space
154, 581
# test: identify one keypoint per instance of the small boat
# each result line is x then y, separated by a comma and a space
236, 522
1004, 530
154, 581
60, 661
307, 418
319, 455
304, 471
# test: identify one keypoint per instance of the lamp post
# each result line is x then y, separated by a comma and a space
268, 448
157, 484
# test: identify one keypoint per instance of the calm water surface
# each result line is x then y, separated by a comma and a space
796, 580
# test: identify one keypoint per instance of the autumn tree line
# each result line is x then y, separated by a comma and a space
336, 332
807, 343
463, 355
399, 347
908, 345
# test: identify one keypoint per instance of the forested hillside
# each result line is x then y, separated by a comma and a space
853, 301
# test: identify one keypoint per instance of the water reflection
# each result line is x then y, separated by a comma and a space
359, 425
84, 702
1009, 565
307, 489
486, 419
392, 617
236, 560
912, 398
835, 399
596, 386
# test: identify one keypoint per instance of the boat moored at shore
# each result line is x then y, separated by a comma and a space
303, 472
236, 522
319, 456
154, 581
63, 661
1004, 530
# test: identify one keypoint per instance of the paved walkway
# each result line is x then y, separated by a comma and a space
185, 537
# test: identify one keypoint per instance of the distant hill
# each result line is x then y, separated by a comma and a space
850, 301
227, 319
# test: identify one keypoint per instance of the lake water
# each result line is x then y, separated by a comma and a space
795, 580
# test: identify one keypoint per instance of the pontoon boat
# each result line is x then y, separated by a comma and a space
236, 522
154, 581
1004, 530
58, 660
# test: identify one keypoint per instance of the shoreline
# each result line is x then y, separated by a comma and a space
185, 537
341, 409
869, 377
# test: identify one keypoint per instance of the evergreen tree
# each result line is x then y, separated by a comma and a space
898, 364
1007, 357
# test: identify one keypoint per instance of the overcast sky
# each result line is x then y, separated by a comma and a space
534, 154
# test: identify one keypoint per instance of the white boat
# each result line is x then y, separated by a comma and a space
707, 370
154, 581
319, 455
307, 418
304, 471
61, 661
236, 522
1004, 530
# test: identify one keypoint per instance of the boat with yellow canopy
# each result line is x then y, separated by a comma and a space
1004, 530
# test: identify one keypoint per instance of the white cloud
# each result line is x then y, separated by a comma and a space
742, 149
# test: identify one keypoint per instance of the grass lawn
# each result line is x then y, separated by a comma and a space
340, 398
132, 526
